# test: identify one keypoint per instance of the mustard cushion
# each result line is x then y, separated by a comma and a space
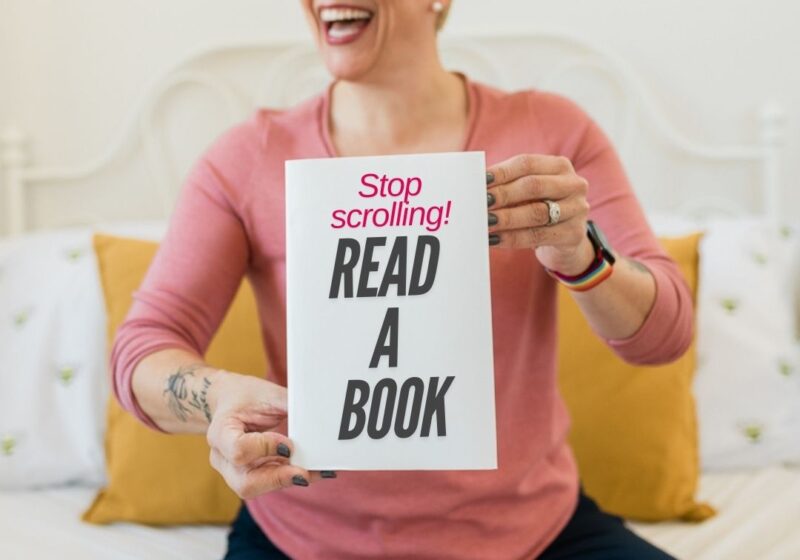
155, 478
634, 430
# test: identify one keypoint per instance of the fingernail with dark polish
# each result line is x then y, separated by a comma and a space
283, 450
494, 239
489, 178
298, 480
492, 219
489, 200
327, 474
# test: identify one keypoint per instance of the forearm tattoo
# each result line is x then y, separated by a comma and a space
183, 400
636, 265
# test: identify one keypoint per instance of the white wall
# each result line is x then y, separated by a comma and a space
71, 71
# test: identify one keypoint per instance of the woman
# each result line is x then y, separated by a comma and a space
549, 164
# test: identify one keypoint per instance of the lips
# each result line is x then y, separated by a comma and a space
344, 24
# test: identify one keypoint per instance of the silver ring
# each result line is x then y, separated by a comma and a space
553, 212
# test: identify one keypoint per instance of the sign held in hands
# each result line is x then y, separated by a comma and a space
389, 327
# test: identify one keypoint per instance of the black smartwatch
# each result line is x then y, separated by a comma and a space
599, 242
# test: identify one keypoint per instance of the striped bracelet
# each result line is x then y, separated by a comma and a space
598, 271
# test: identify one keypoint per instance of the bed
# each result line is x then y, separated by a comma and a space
203, 94
758, 519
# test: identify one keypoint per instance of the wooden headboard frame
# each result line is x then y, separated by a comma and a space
293, 71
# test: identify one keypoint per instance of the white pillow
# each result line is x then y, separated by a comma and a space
748, 377
53, 356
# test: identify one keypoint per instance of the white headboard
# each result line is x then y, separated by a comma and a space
195, 101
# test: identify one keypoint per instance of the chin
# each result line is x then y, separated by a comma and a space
347, 68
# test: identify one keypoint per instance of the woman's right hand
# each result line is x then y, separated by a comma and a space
245, 448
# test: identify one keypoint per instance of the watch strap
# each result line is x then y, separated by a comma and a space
599, 270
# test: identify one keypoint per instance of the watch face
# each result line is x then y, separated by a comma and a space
599, 241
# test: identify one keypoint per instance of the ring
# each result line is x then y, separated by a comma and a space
553, 212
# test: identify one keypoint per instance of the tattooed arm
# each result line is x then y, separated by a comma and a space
184, 397
176, 390
239, 414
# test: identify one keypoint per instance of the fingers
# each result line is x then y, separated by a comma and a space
253, 463
528, 164
246, 449
566, 234
535, 214
249, 482
276, 477
242, 448
518, 214
532, 187
537, 187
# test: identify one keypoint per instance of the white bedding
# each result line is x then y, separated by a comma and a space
759, 518
45, 524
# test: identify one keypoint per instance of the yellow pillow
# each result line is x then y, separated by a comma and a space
156, 478
634, 430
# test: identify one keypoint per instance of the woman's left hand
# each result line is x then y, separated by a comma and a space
519, 215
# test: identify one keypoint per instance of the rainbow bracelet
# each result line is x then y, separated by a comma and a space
598, 271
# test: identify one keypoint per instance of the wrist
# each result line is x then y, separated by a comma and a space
217, 379
579, 262
599, 268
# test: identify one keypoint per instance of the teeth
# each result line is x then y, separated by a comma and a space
329, 15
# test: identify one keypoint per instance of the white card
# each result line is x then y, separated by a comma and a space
389, 321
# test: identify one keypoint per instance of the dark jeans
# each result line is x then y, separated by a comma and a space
590, 534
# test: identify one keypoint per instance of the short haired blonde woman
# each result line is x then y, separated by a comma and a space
551, 171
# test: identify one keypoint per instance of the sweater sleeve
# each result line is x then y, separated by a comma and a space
197, 269
668, 328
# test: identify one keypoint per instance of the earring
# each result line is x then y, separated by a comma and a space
437, 7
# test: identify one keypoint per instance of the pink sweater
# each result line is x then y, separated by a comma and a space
229, 222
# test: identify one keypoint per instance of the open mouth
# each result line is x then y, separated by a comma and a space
344, 24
